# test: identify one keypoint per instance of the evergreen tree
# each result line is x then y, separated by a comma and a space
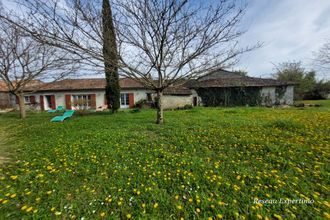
110, 58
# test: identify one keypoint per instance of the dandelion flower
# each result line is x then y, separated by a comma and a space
13, 177
5, 201
155, 205
278, 217
24, 207
129, 216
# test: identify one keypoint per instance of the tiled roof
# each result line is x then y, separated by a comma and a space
177, 90
237, 82
86, 84
31, 84
3, 87
90, 84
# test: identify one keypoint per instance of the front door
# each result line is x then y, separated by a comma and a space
50, 102
124, 100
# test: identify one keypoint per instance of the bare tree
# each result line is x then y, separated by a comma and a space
76, 26
164, 43
323, 57
161, 43
23, 61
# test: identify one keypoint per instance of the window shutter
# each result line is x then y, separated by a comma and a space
32, 99
68, 102
105, 99
52, 102
131, 99
93, 101
42, 105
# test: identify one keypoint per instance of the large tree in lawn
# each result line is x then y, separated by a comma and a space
23, 62
164, 43
322, 58
79, 27
110, 58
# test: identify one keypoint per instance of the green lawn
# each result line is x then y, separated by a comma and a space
202, 163
322, 103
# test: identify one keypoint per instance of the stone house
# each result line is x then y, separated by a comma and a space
218, 88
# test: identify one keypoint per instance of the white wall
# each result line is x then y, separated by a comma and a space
60, 96
173, 101
268, 95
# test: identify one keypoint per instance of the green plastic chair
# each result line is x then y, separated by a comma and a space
67, 114
59, 108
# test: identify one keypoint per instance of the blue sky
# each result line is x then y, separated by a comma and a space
289, 29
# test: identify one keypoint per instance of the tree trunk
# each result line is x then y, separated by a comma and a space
160, 115
110, 58
21, 105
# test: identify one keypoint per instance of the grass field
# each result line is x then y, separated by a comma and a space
202, 163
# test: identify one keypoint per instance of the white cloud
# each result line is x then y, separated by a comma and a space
289, 29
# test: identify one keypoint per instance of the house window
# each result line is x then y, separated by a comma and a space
124, 99
81, 102
27, 99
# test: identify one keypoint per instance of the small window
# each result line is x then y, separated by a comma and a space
27, 99
124, 99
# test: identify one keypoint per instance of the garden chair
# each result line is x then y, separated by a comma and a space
59, 108
67, 114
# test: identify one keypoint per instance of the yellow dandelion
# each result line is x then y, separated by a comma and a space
102, 214
29, 209
5, 201
13, 177
278, 217
198, 210
219, 216
155, 205
49, 192
259, 216
129, 216
143, 205
58, 213
179, 207
23, 207
190, 200
13, 195
176, 197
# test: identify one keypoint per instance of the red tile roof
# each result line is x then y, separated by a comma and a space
3, 87
87, 84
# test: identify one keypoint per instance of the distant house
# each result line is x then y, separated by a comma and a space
225, 88
219, 88
5, 101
